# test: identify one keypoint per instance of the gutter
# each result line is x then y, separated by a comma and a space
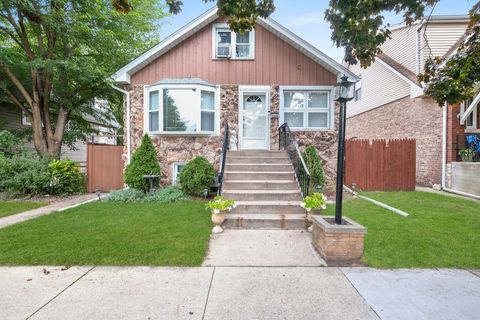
127, 97
444, 145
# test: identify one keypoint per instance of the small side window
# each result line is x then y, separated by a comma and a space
177, 168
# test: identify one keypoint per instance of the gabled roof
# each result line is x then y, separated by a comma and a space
404, 71
123, 75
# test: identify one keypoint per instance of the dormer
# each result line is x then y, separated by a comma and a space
228, 44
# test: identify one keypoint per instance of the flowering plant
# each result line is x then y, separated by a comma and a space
219, 204
316, 201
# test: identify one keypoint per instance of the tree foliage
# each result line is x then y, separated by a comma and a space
56, 56
454, 80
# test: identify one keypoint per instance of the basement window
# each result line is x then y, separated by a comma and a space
177, 168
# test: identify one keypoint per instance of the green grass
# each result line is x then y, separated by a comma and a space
441, 231
103, 233
8, 208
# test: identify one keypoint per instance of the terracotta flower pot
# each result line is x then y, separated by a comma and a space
217, 220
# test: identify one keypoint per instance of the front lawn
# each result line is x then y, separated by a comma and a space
101, 233
441, 231
10, 207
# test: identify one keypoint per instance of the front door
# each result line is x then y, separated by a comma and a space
253, 120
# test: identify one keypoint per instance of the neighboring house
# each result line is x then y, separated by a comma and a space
14, 120
389, 101
183, 90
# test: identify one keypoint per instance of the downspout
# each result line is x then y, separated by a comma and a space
127, 96
444, 145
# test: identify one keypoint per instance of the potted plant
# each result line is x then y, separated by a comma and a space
316, 201
219, 207
466, 154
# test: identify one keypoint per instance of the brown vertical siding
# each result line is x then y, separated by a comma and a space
276, 62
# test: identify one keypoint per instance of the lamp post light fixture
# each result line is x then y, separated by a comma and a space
343, 93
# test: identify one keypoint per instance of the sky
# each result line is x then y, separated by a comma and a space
305, 18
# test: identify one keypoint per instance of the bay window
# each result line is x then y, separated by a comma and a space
228, 44
181, 109
306, 109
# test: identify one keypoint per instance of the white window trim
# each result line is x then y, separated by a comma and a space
331, 109
175, 171
473, 128
199, 89
25, 121
233, 43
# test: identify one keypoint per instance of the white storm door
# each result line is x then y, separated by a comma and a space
254, 121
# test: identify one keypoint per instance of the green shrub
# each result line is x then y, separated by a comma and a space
24, 174
66, 177
144, 161
9, 143
126, 195
166, 195
314, 165
196, 176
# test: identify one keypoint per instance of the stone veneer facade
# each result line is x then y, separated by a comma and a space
182, 149
418, 118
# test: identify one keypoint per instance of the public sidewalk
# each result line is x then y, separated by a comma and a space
237, 293
57, 206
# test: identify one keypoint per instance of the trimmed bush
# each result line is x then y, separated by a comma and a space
166, 195
196, 176
144, 161
314, 165
126, 195
9, 143
66, 177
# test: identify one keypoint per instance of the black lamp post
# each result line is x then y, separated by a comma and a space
343, 93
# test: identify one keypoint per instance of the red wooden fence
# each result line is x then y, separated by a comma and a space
380, 165
104, 167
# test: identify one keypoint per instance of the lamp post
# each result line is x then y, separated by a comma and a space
343, 93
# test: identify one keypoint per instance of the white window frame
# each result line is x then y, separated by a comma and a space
25, 121
233, 45
473, 128
305, 111
197, 103
175, 171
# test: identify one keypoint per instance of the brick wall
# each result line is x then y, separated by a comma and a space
418, 118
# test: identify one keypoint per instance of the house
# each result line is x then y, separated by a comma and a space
12, 119
184, 90
390, 103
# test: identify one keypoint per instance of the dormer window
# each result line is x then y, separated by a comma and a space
231, 45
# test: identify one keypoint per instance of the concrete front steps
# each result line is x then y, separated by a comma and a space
264, 187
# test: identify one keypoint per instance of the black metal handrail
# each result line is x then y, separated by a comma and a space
225, 147
468, 146
287, 141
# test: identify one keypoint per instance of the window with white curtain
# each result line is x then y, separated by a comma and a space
307, 109
182, 109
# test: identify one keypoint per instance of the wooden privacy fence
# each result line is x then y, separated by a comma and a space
104, 167
380, 165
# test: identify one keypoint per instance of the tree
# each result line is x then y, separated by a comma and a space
56, 56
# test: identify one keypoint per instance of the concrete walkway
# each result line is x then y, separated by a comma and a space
237, 293
57, 206
267, 248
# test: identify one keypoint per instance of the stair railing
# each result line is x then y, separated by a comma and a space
287, 142
223, 157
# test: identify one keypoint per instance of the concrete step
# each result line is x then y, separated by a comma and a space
257, 159
268, 207
263, 195
259, 175
260, 185
265, 221
260, 167
258, 153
